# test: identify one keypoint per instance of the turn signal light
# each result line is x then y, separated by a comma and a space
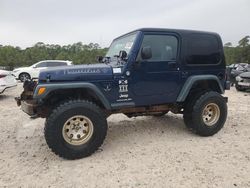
41, 90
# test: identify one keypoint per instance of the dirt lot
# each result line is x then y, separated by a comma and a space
137, 152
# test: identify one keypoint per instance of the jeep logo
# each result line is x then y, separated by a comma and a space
123, 96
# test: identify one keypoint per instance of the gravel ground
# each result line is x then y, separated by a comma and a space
137, 152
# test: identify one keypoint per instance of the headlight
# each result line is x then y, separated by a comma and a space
15, 70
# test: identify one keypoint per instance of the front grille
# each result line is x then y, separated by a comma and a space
29, 85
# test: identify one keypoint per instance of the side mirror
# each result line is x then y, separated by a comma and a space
123, 54
146, 52
99, 59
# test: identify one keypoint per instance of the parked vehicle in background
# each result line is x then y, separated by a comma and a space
243, 81
145, 72
7, 80
26, 73
238, 69
234, 66
4, 68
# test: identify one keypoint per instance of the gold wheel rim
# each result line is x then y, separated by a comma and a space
211, 114
77, 130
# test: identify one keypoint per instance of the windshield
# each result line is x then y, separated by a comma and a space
124, 43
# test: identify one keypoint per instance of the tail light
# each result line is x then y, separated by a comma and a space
2, 75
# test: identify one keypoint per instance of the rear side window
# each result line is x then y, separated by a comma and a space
203, 49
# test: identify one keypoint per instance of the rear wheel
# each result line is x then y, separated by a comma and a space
208, 114
187, 114
75, 129
24, 76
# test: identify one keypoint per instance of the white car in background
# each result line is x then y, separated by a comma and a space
7, 80
25, 73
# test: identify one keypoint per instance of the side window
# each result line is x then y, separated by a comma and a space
164, 47
61, 64
203, 49
56, 63
42, 64
51, 64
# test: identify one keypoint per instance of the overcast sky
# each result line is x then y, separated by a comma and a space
25, 22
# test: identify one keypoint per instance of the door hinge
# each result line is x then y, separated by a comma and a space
184, 74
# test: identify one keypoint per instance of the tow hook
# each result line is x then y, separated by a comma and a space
18, 101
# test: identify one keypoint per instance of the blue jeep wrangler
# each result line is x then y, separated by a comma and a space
145, 72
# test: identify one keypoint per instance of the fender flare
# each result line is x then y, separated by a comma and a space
56, 86
192, 80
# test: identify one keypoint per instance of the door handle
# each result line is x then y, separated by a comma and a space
136, 65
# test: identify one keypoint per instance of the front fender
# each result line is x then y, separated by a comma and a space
55, 86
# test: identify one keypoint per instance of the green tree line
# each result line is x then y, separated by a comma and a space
79, 53
239, 53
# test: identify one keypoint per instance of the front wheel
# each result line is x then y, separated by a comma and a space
75, 129
208, 114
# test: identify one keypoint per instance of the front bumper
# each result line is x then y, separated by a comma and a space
29, 106
244, 84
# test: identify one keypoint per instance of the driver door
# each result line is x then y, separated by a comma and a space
157, 80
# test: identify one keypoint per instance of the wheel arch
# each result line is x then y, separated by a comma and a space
205, 82
73, 90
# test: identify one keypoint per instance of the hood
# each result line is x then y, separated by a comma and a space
77, 73
245, 75
21, 68
4, 72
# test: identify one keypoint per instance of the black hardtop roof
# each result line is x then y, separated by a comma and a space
179, 31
